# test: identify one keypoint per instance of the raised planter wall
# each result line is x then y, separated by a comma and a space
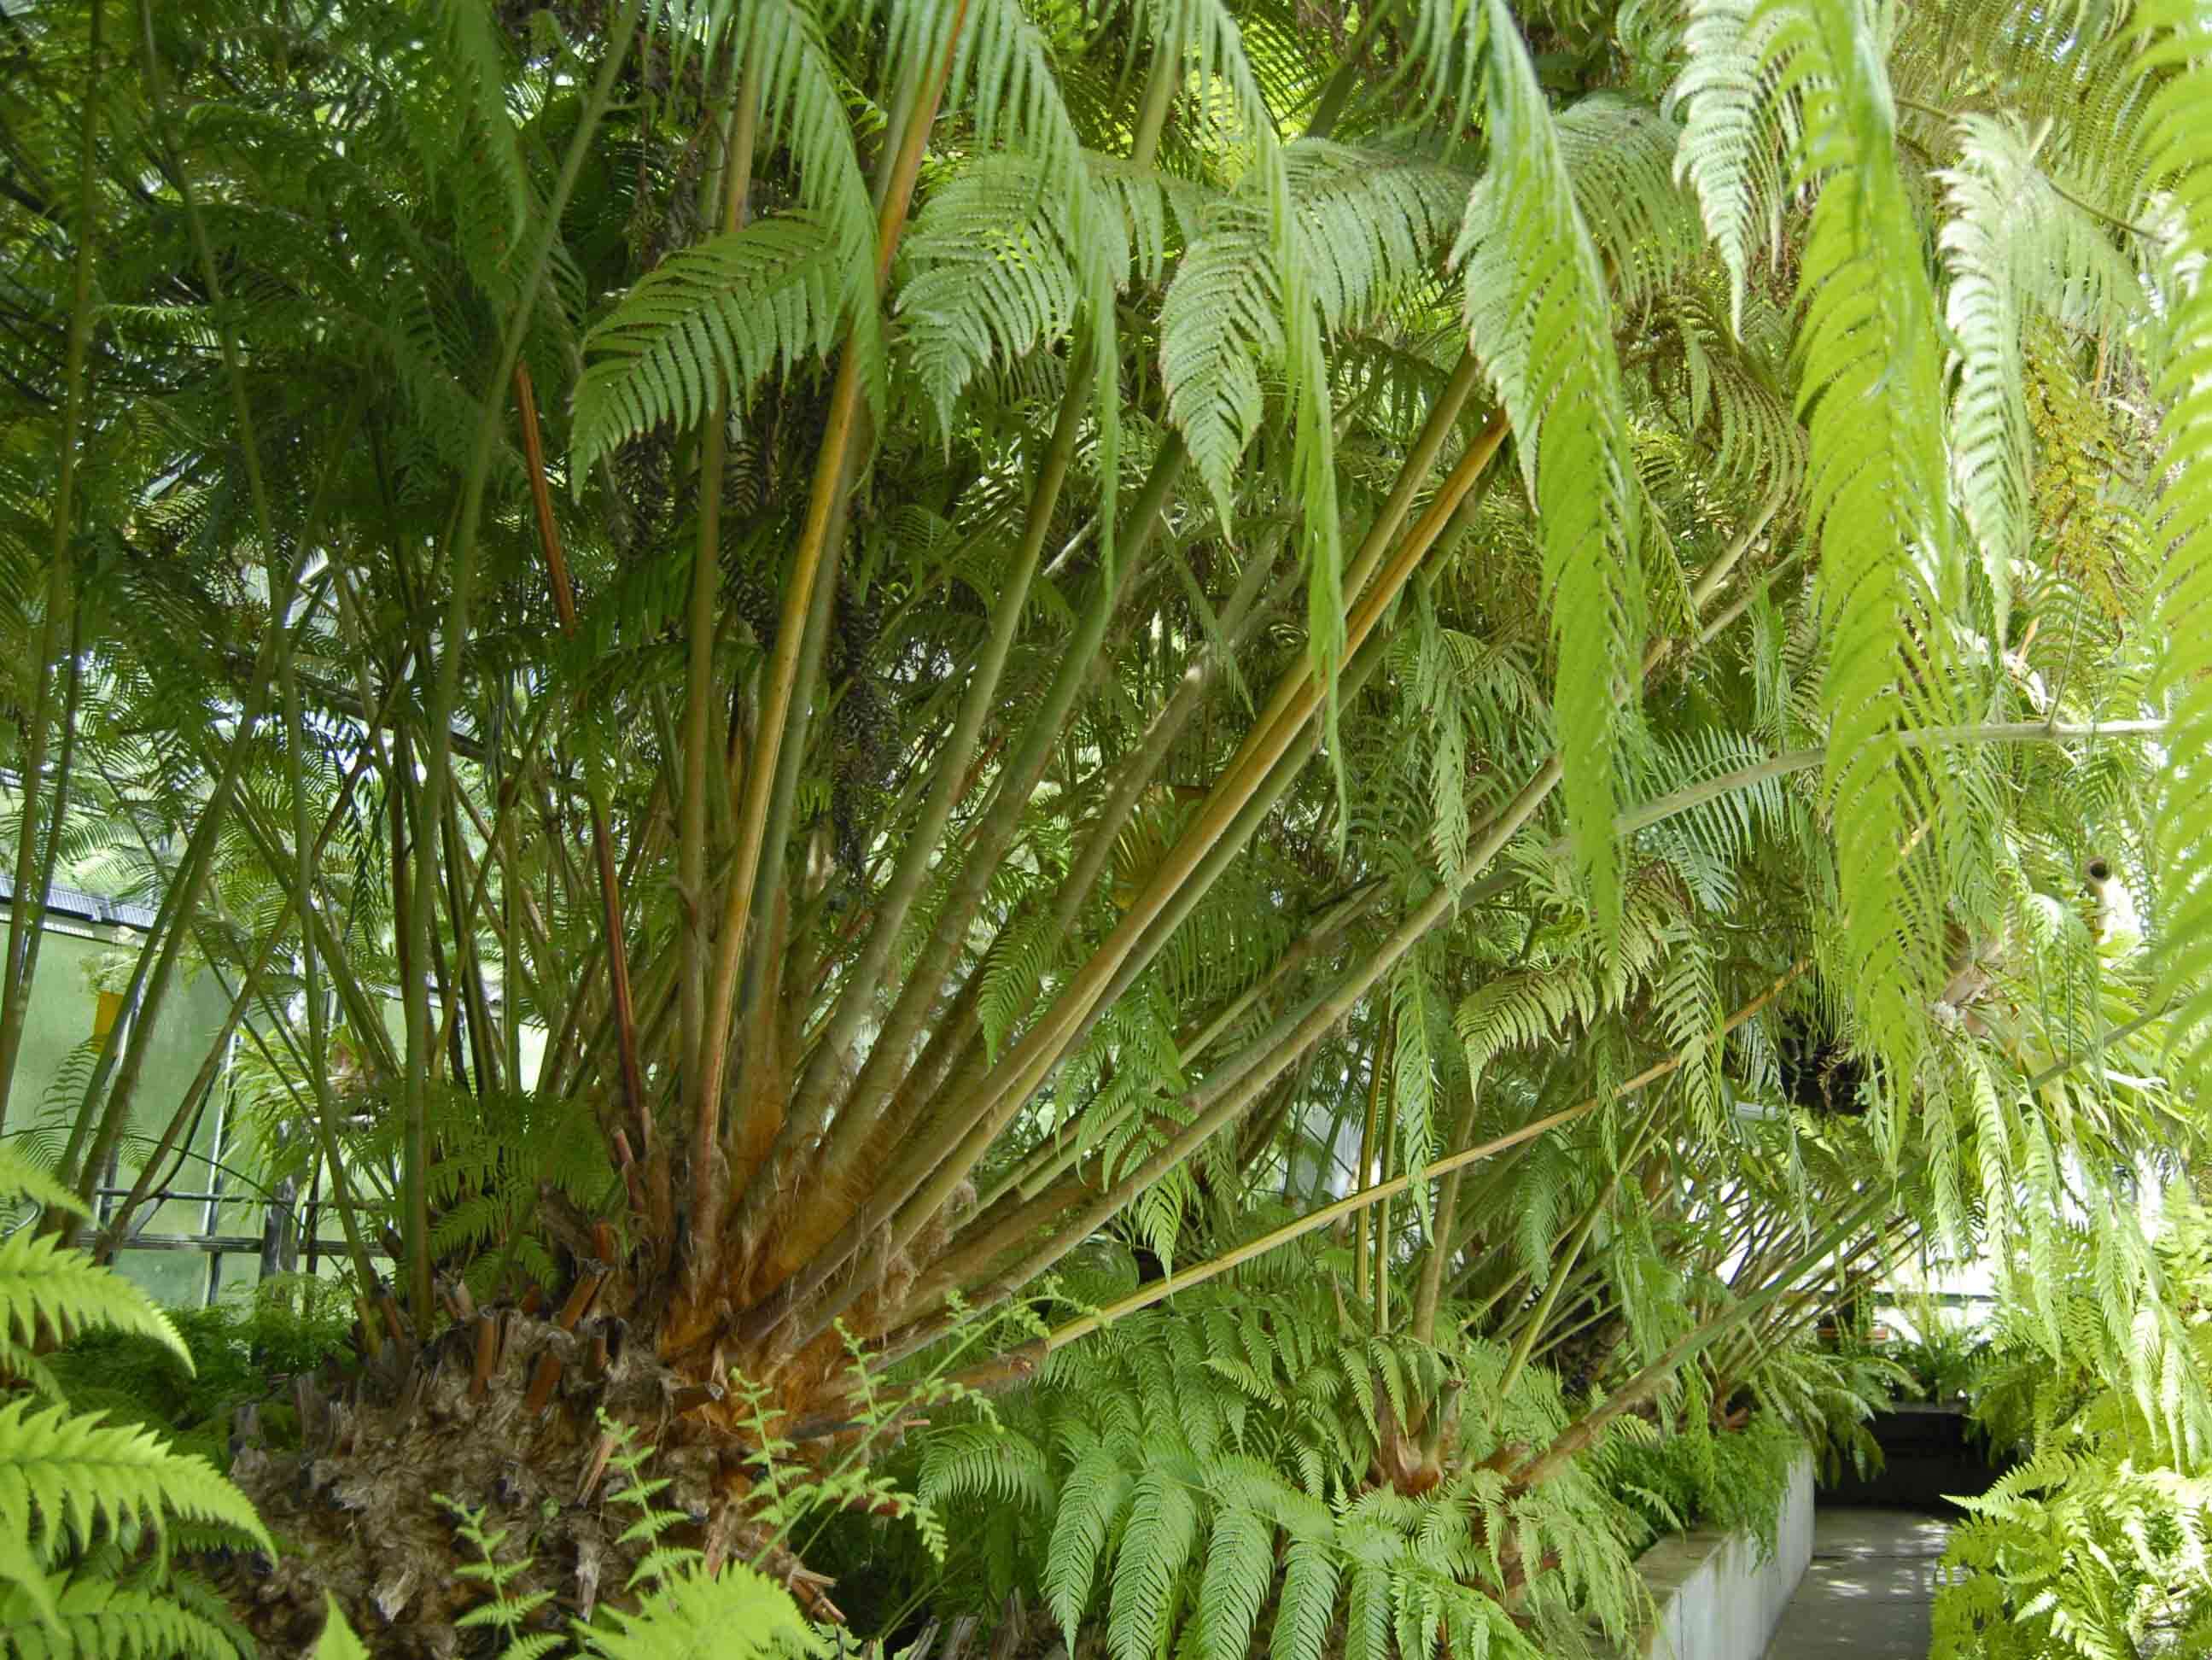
1717, 1599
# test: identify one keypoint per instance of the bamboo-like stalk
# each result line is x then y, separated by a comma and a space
1043, 1045
26, 910
1570, 1256
154, 971
849, 1139
637, 1112
813, 561
850, 1134
1386, 1138
1352, 1204
444, 689
864, 981
1429, 1294
700, 749
1583, 1432
210, 1066
1325, 1014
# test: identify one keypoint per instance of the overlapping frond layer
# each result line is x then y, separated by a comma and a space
1211, 47
1871, 393
2016, 245
1620, 154
1539, 318
2173, 47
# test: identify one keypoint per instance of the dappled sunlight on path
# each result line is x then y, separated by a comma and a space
1867, 1591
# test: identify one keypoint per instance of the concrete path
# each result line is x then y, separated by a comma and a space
1868, 1592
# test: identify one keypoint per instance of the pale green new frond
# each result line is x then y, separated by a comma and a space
1521, 1009
475, 54
43, 1281
1539, 317
984, 1461
736, 1612
1871, 391
60, 1472
94, 1619
2171, 42
712, 320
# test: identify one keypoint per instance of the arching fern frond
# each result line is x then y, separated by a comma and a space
1539, 316
1871, 390
1737, 130
95, 1619
712, 320
43, 1283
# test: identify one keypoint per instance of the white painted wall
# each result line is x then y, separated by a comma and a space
1717, 1599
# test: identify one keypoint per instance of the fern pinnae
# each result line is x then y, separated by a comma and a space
1240, 1568
1878, 508
1735, 131
1539, 316
95, 1619
1161, 1529
2014, 240
708, 323
46, 1284
2168, 39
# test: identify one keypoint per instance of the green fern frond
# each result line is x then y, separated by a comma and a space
60, 1473
45, 1283
2014, 240
20, 1176
698, 1612
2170, 45
1156, 1543
711, 321
1539, 316
1239, 1567
1091, 1502
1739, 124
1620, 155
94, 1619
1871, 391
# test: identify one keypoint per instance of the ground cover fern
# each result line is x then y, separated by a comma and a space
1233, 1469
91, 1513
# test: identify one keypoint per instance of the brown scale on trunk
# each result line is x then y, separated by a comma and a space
501, 1410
